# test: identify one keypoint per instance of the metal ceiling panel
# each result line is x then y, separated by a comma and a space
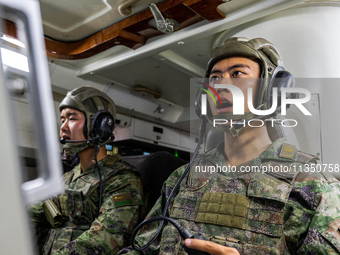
154, 74
66, 20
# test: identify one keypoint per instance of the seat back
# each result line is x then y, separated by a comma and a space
155, 169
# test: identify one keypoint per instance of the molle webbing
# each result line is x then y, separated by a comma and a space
223, 209
231, 210
237, 211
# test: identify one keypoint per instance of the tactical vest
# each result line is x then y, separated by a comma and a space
79, 205
244, 211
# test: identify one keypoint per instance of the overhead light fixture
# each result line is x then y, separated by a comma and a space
147, 91
159, 109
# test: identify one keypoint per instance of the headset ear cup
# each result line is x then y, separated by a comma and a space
102, 125
280, 79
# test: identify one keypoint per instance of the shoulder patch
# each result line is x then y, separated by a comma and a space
123, 199
287, 151
110, 162
113, 159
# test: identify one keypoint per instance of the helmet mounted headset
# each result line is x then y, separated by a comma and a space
100, 113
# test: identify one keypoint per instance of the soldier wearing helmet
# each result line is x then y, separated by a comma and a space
103, 196
248, 212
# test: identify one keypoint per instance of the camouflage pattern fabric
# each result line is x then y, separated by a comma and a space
286, 211
85, 228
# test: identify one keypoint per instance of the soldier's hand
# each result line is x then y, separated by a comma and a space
210, 247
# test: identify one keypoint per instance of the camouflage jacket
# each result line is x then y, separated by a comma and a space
280, 209
85, 229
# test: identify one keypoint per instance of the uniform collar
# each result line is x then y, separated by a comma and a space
275, 151
110, 160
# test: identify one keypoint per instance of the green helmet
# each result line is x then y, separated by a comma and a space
257, 49
88, 100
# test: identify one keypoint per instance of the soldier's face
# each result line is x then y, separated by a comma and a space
231, 71
72, 127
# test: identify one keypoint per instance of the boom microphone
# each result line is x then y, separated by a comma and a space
63, 140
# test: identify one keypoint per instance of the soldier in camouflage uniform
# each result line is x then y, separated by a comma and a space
262, 211
80, 226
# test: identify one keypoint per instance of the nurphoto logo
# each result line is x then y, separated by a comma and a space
238, 102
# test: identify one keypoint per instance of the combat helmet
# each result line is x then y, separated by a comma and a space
267, 55
90, 101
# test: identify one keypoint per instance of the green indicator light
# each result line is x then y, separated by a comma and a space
176, 153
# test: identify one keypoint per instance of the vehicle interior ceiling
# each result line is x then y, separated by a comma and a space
116, 47
127, 49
